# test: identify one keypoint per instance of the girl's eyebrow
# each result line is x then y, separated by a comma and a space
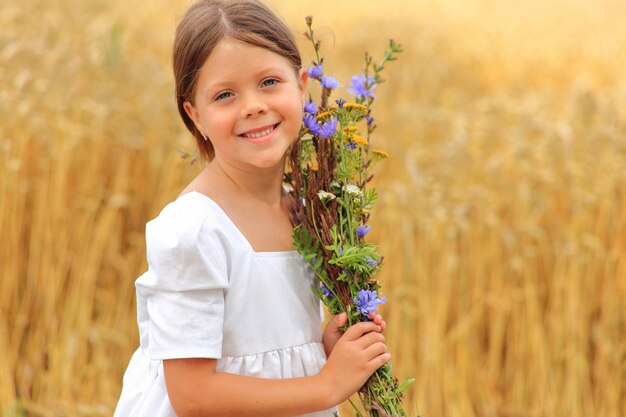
271, 70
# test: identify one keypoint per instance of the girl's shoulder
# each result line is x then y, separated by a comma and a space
187, 210
186, 247
190, 217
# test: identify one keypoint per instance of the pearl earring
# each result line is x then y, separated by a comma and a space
204, 136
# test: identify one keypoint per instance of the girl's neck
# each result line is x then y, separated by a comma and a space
264, 186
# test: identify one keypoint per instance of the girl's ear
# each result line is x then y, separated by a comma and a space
193, 115
303, 77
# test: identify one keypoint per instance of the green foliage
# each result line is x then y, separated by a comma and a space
306, 155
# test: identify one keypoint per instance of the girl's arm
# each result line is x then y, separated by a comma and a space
195, 389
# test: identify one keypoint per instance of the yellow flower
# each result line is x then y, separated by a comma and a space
379, 153
355, 106
359, 139
350, 129
323, 114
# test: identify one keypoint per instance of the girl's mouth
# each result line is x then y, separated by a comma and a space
258, 134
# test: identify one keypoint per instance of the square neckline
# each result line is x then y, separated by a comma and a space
233, 226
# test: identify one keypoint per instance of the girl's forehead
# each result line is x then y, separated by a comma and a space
229, 49
233, 58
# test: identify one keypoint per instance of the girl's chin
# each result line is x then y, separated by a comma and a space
262, 159
276, 160
269, 163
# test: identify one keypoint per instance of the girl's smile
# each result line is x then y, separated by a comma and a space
260, 135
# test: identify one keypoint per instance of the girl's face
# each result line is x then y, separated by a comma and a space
248, 102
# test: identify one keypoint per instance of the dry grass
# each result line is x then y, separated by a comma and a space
502, 212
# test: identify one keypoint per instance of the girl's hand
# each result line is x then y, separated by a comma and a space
355, 357
332, 332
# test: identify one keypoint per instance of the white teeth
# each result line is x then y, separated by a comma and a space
258, 134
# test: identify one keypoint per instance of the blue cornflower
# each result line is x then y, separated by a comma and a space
362, 88
340, 102
362, 230
316, 71
367, 302
371, 261
310, 107
310, 122
370, 120
327, 291
329, 82
328, 128
351, 146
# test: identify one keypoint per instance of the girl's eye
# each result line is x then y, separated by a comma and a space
223, 96
269, 82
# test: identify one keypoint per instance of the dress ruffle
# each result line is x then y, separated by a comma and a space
304, 360
145, 393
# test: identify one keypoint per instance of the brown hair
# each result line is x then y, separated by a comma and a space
206, 23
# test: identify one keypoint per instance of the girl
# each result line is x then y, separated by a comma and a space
227, 321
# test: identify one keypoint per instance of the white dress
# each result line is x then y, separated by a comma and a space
208, 294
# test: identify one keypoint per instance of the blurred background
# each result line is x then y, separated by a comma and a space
501, 215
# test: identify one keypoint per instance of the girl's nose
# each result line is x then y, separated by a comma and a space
253, 106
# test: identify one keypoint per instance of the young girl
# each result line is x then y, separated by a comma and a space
227, 320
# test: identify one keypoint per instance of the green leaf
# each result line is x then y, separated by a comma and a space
405, 385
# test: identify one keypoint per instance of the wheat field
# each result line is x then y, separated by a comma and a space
501, 212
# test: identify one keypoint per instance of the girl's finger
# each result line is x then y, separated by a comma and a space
369, 339
378, 319
375, 350
357, 330
380, 360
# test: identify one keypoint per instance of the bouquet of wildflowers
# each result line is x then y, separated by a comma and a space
331, 165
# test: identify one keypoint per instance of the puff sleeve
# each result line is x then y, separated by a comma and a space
180, 299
